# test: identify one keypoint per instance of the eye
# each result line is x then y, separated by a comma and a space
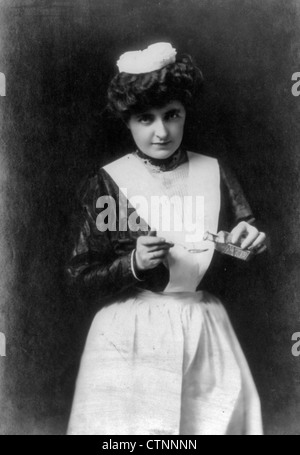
172, 115
145, 119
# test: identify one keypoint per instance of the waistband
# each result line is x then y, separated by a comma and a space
195, 296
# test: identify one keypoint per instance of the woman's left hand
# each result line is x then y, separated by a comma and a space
248, 236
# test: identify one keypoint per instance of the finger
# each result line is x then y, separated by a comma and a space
146, 240
238, 232
152, 233
161, 246
261, 249
161, 254
251, 237
259, 240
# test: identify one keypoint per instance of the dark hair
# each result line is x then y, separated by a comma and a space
132, 93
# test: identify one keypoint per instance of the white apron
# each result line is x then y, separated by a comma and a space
167, 363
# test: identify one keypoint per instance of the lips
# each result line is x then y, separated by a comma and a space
161, 143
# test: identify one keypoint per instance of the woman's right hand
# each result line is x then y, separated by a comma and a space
151, 251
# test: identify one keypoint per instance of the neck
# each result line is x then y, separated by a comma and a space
164, 164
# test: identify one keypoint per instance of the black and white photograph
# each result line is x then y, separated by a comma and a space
150, 219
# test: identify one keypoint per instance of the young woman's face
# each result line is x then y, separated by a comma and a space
158, 132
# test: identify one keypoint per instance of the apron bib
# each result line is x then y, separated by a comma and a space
182, 222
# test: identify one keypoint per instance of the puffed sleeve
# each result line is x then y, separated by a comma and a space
234, 205
95, 268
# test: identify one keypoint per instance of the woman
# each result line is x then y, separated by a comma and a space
161, 356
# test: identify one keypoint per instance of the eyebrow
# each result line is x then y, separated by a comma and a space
169, 111
173, 109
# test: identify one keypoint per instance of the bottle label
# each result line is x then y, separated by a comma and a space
233, 250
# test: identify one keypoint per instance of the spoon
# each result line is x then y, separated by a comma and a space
190, 250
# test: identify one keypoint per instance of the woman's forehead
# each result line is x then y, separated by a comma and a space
162, 109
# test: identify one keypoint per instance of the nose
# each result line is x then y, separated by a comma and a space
161, 131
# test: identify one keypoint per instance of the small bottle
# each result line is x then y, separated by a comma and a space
223, 244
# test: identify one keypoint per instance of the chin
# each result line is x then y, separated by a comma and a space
161, 154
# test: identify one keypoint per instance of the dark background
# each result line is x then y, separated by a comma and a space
58, 57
